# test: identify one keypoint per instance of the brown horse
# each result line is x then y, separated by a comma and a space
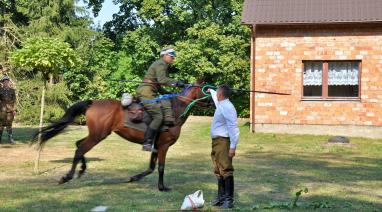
106, 116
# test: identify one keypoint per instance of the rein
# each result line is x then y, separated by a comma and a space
168, 96
191, 104
184, 94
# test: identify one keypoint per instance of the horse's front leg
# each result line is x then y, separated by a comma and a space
162, 151
84, 145
150, 170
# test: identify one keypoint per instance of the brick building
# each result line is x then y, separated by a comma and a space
327, 54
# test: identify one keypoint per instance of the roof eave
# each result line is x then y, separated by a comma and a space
311, 23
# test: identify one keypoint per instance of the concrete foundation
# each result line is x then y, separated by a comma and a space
341, 130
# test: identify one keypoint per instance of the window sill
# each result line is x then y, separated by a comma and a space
343, 99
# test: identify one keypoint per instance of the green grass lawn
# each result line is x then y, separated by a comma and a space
269, 169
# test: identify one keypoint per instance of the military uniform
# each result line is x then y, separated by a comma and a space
8, 108
154, 78
161, 112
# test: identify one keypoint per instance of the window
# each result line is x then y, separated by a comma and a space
331, 79
313, 79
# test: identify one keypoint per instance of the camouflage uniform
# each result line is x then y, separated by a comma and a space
8, 107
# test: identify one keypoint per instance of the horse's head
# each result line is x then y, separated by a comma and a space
195, 92
193, 95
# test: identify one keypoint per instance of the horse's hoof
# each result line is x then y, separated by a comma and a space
164, 189
63, 180
80, 173
132, 179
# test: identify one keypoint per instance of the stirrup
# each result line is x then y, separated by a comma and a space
149, 148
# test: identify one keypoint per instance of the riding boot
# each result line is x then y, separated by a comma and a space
221, 193
1, 133
10, 136
148, 143
229, 188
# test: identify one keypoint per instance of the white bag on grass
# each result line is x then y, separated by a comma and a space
193, 201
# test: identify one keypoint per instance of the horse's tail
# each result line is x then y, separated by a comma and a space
43, 135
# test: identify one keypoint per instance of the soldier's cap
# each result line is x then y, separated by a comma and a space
169, 51
5, 78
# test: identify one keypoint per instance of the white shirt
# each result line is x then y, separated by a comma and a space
224, 123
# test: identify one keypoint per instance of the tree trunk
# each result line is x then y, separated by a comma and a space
50, 80
37, 161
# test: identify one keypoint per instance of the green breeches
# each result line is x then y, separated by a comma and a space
167, 110
159, 111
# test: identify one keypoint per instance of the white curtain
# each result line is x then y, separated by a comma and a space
343, 73
313, 74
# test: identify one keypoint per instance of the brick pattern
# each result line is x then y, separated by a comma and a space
279, 52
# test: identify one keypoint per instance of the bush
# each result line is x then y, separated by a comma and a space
29, 101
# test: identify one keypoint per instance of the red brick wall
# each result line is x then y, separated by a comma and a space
279, 52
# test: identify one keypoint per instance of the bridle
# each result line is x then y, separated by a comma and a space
203, 89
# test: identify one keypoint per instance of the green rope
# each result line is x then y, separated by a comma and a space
191, 104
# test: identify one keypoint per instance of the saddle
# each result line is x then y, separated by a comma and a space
135, 112
136, 117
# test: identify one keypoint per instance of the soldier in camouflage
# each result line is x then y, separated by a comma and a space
8, 108
150, 88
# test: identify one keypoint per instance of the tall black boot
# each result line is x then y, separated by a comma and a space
229, 189
10, 136
221, 193
149, 139
1, 133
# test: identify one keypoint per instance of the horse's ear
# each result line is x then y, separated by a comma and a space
200, 81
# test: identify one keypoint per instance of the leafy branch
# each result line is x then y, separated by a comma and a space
283, 205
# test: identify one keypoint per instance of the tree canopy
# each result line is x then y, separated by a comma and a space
56, 36
49, 56
207, 34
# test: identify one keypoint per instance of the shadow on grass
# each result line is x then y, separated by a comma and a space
281, 175
6, 146
87, 193
25, 134
117, 198
69, 160
90, 191
137, 200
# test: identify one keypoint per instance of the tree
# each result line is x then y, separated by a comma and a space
98, 76
49, 56
9, 33
46, 56
207, 34
9, 39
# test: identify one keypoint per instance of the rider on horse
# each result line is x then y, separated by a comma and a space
149, 89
